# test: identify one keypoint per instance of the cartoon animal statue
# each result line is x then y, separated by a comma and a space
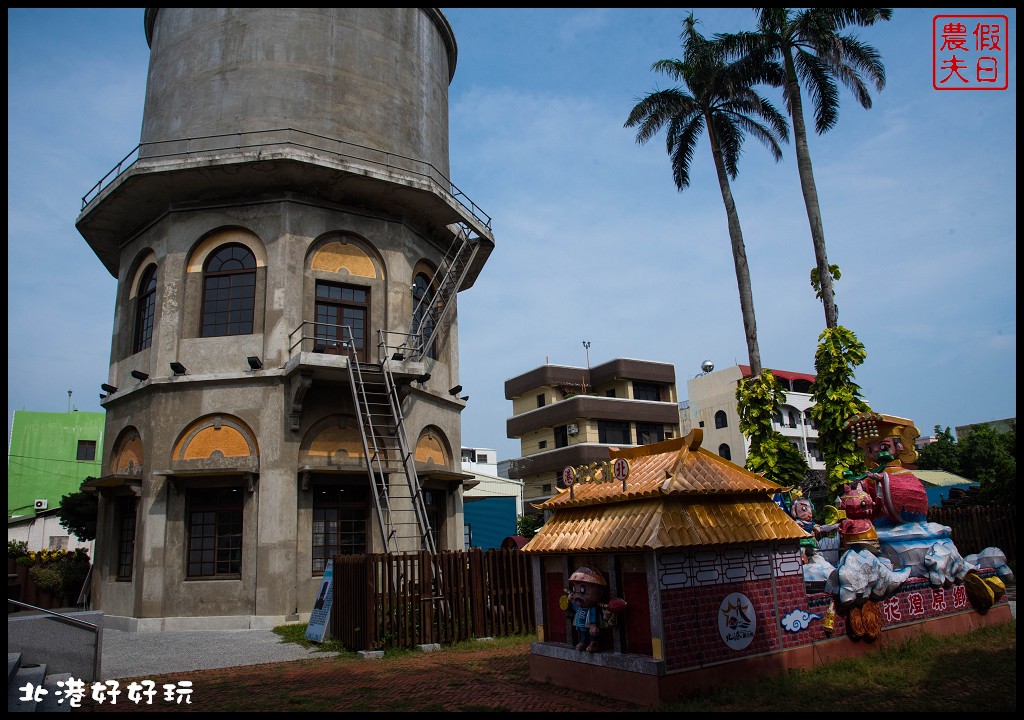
888, 442
856, 530
587, 590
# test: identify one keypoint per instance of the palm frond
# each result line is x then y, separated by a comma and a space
730, 142
824, 93
656, 109
683, 137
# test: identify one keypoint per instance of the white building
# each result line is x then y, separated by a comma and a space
712, 406
491, 503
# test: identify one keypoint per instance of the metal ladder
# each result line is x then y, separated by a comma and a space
387, 451
434, 309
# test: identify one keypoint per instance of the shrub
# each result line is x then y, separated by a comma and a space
58, 571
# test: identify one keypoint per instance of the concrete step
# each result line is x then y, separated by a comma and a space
55, 699
25, 675
13, 663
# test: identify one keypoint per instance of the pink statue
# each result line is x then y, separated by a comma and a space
857, 531
888, 442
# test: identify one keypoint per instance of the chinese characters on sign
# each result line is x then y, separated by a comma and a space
970, 52
74, 691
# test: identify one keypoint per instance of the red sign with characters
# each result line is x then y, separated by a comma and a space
568, 476
970, 52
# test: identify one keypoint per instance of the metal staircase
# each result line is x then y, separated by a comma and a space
434, 309
387, 452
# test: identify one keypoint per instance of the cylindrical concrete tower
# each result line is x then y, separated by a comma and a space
288, 248
375, 79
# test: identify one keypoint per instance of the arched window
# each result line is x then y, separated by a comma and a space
721, 420
145, 310
229, 292
422, 322
792, 419
724, 451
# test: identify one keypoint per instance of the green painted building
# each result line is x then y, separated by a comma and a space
49, 456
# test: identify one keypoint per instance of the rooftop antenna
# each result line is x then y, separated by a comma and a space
69, 401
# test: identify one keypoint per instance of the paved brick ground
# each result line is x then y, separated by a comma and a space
492, 678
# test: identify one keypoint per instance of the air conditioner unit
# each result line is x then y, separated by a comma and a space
573, 429
41, 504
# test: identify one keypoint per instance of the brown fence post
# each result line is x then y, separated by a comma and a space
476, 592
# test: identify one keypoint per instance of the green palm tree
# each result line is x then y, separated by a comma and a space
715, 95
812, 50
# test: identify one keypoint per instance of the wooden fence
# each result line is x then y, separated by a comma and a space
980, 526
399, 601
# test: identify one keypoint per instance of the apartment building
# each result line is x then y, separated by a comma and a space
565, 415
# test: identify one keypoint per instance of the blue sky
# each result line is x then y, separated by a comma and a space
593, 241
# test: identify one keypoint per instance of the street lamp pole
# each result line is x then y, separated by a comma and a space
586, 346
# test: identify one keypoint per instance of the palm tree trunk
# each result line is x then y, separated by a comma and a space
810, 191
739, 256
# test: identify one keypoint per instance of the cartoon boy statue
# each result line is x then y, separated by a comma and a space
587, 588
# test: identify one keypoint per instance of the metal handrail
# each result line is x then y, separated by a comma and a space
66, 618
452, 190
339, 341
61, 617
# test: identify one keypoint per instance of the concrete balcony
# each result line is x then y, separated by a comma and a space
270, 164
593, 408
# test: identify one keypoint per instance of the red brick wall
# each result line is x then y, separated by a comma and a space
691, 623
690, 615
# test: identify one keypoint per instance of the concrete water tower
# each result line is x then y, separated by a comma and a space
288, 248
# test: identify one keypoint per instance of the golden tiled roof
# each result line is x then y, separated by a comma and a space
673, 467
667, 522
677, 495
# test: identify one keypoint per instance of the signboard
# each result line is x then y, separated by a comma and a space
737, 621
321, 615
568, 476
620, 469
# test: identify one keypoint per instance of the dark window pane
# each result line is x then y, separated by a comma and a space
86, 450
229, 293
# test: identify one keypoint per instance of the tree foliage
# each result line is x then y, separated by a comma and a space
717, 96
77, 513
814, 53
982, 455
943, 454
990, 459
837, 398
770, 453
528, 525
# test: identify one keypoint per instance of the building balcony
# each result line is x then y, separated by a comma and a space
556, 460
579, 379
271, 164
323, 351
593, 408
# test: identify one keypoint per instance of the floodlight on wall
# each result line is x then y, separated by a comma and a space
455, 390
177, 368
254, 362
398, 357
139, 375
108, 388
103, 397
464, 398
423, 378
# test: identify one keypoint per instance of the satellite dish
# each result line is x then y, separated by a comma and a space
707, 366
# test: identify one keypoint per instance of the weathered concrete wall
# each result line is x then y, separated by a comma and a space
372, 77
